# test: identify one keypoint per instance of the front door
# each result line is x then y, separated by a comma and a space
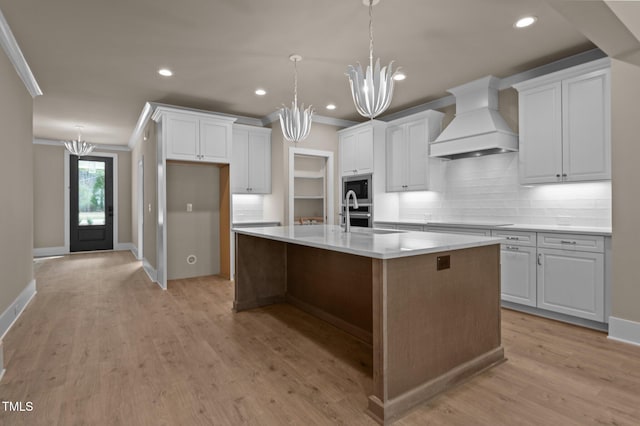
91, 210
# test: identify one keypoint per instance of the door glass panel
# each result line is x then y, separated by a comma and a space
91, 175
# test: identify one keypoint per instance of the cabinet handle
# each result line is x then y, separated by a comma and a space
564, 175
514, 248
355, 170
513, 238
568, 242
540, 259
558, 175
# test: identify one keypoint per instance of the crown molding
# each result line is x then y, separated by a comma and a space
10, 46
143, 119
99, 147
320, 119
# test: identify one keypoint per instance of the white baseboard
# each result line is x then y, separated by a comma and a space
123, 246
134, 250
150, 270
11, 314
49, 251
623, 330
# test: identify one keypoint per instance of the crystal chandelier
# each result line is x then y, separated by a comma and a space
78, 146
372, 91
295, 122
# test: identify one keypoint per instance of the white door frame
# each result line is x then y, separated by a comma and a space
140, 201
328, 155
67, 198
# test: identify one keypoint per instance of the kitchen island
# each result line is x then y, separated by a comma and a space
428, 303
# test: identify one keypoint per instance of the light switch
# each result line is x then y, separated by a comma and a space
189, 207
149, 207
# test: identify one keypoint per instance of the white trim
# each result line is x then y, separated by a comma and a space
10, 46
15, 309
143, 119
328, 155
134, 250
151, 272
49, 251
563, 74
320, 119
140, 201
124, 247
67, 197
99, 147
625, 331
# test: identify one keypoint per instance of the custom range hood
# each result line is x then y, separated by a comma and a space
478, 128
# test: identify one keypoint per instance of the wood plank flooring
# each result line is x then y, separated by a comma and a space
102, 345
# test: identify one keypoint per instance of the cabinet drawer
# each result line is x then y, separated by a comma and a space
576, 242
459, 230
521, 238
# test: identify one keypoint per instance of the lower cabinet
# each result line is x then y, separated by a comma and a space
518, 274
571, 282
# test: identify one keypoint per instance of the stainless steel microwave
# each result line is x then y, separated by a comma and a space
361, 185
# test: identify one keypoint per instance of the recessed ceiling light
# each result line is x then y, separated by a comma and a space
399, 76
331, 106
261, 92
525, 22
165, 72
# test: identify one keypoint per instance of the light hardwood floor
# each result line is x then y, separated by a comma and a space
100, 344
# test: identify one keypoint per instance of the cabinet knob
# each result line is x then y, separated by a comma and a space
558, 175
564, 175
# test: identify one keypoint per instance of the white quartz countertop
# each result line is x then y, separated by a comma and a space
375, 243
568, 229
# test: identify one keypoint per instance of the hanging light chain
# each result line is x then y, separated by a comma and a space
295, 82
371, 34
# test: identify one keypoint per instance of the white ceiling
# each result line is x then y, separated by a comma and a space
96, 60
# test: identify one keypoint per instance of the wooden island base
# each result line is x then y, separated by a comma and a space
430, 329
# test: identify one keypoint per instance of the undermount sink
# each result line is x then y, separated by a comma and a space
360, 230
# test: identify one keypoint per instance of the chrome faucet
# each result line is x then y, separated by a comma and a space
347, 224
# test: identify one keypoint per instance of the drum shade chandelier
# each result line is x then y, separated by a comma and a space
295, 122
372, 91
78, 146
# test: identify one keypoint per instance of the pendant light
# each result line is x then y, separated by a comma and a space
295, 122
372, 91
78, 146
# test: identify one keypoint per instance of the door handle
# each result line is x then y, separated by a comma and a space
110, 211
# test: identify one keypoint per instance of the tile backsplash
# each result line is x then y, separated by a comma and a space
487, 189
247, 207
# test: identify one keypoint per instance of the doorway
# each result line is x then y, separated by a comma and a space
311, 194
91, 208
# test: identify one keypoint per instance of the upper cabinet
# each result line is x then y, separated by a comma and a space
356, 148
565, 125
251, 160
407, 151
195, 136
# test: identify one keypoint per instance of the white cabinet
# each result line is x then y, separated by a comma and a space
565, 125
518, 266
407, 151
195, 136
571, 274
356, 149
251, 160
571, 282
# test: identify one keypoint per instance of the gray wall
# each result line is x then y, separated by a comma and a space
196, 232
48, 178
16, 191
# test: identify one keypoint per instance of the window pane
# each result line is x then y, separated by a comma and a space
91, 193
